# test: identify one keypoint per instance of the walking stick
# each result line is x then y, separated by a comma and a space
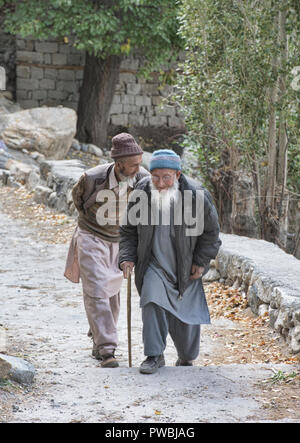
129, 315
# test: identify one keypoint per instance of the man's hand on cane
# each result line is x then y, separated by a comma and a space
127, 268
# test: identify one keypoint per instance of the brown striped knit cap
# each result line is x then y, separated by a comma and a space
124, 145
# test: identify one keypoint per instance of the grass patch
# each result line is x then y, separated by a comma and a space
282, 377
4, 382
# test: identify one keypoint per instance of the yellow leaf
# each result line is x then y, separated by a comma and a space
125, 48
66, 40
157, 412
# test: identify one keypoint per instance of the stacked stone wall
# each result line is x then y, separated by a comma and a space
51, 72
48, 73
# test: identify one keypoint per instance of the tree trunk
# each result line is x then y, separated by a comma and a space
96, 95
283, 204
275, 217
269, 221
243, 216
272, 150
282, 141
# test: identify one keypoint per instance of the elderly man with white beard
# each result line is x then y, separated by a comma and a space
170, 258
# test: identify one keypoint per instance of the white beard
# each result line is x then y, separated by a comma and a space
162, 201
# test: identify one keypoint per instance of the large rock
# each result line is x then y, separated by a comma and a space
7, 106
33, 180
3, 161
92, 149
49, 131
61, 176
4, 155
5, 368
16, 369
20, 171
42, 194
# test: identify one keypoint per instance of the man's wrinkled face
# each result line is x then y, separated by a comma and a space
163, 179
129, 166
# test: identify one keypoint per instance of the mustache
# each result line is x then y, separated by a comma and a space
170, 190
163, 199
126, 179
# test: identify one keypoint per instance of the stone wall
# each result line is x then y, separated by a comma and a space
269, 279
50, 73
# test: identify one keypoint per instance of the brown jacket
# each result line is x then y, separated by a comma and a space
85, 200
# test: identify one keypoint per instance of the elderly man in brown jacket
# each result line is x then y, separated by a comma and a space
94, 249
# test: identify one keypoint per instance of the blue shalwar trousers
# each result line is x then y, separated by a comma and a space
158, 322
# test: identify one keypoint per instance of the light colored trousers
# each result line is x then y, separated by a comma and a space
101, 282
102, 315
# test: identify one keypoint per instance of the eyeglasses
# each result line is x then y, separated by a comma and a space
165, 178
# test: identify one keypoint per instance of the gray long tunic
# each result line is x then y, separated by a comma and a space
160, 282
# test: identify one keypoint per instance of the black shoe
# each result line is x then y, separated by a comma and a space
109, 361
181, 362
96, 354
151, 364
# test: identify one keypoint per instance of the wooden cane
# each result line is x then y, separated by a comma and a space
129, 315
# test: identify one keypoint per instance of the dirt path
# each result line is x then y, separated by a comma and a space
45, 321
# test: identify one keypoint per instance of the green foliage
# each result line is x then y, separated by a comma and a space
101, 27
3, 381
224, 84
282, 377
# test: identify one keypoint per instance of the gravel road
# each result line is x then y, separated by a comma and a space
46, 325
